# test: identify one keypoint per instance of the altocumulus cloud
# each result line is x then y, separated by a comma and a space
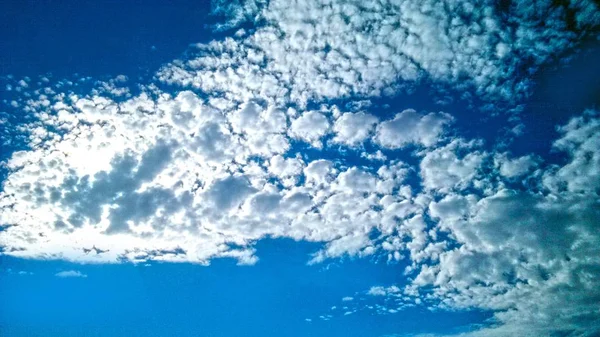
324, 49
237, 153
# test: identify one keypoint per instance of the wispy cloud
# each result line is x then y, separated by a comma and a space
70, 273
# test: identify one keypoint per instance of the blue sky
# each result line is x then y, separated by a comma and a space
275, 296
317, 168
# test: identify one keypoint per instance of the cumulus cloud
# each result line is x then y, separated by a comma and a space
181, 178
311, 126
581, 140
254, 147
525, 254
444, 169
354, 128
512, 168
473, 234
410, 127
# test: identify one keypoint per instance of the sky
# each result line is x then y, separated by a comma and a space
300, 168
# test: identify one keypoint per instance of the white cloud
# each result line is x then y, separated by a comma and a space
442, 169
512, 168
524, 254
228, 192
581, 140
153, 191
70, 273
286, 168
349, 244
205, 174
311, 126
314, 50
383, 291
353, 128
175, 178
319, 171
410, 127
356, 180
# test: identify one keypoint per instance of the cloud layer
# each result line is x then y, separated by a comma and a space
175, 178
249, 145
307, 50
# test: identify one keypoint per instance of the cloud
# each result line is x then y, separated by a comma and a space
523, 254
383, 291
70, 274
315, 50
512, 168
474, 236
180, 178
410, 127
580, 139
10, 271
444, 169
311, 126
353, 129
256, 148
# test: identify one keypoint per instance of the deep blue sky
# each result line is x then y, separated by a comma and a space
97, 38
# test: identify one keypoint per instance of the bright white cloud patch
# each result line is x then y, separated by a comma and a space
354, 128
311, 126
443, 169
512, 168
410, 127
177, 178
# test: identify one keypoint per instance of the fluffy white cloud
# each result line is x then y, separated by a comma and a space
410, 127
319, 171
179, 178
471, 241
581, 139
311, 126
287, 169
527, 255
443, 169
354, 128
513, 168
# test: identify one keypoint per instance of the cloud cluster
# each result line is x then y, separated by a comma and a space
321, 49
184, 178
253, 147
529, 252
181, 178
